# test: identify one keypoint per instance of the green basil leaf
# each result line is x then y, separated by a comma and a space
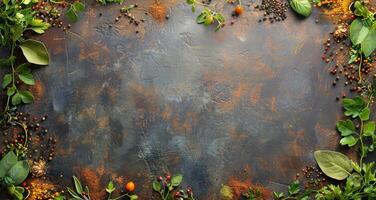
16, 99
368, 45
176, 180
302, 7
19, 172
11, 91
358, 32
26, 96
346, 127
78, 185
35, 52
7, 79
334, 164
7, 162
27, 78
369, 129
349, 141
157, 186
71, 14
364, 115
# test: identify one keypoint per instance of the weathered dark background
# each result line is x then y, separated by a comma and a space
248, 104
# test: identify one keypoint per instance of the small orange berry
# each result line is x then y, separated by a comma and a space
238, 10
130, 186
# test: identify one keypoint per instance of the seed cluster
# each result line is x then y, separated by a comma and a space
312, 177
274, 10
50, 13
36, 137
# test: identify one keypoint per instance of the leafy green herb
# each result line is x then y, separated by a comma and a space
12, 173
79, 194
302, 7
74, 10
362, 33
164, 186
208, 17
253, 194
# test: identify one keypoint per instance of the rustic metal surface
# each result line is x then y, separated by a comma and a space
247, 104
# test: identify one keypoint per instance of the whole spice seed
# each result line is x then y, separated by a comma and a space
274, 10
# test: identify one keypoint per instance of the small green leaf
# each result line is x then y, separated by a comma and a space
77, 185
278, 195
364, 115
6, 80
26, 96
71, 14
7, 162
110, 187
333, 164
133, 197
73, 193
157, 186
346, 127
356, 167
16, 99
19, 172
23, 68
176, 180
201, 18
294, 188
15, 193
78, 6
35, 52
11, 91
369, 129
349, 141
368, 45
302, 7
358, 32
27, 78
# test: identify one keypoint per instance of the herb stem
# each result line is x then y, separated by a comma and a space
119, 197
6, 109
361, 144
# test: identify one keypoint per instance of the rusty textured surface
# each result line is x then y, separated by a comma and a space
249, 103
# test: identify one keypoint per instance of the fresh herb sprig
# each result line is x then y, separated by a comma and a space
364, 137
14, 171
208, 15
164, 186
362, 35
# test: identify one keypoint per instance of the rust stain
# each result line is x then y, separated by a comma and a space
273, 106
98, 53
38, 90
328, 138
255, 94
